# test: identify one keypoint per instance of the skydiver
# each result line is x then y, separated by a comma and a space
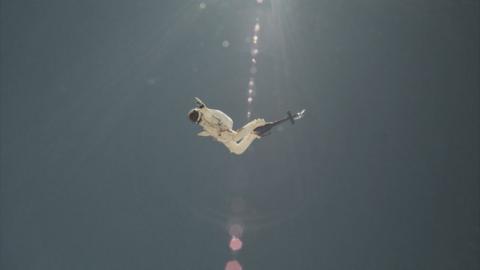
218, 125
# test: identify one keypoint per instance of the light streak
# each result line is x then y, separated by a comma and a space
254, 40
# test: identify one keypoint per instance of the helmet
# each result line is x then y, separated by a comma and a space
195, 116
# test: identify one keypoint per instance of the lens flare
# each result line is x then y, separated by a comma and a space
233, 265
235, 244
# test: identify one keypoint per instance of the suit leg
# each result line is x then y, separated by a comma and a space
240, 147
248, 129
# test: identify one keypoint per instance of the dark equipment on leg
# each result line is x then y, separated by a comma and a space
264, 130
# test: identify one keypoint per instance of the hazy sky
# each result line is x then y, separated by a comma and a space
101, 169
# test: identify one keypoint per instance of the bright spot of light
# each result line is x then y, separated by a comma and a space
249, 114
233, 265
249, 99
203, 5
250, 91
254, 52
235, 244
259, 1
225, 43
251, 83
255, 39
257, 27
254, 61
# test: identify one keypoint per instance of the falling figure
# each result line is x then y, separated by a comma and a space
218, 125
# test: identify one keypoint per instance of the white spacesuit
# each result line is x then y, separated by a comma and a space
218, 125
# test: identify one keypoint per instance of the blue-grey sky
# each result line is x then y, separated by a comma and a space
101, 169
